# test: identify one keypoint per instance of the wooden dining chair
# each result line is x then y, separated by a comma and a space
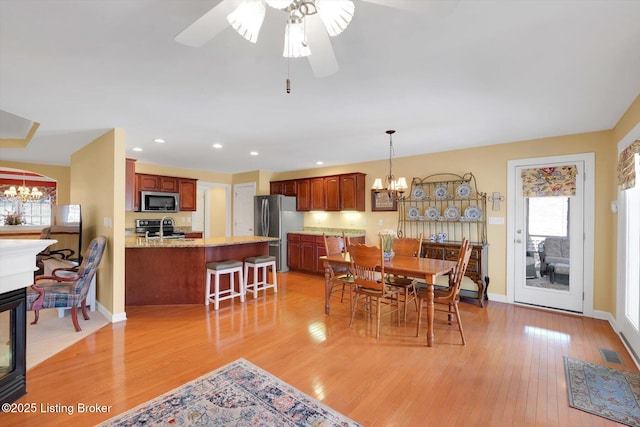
368, 287
449, 296
340, 278
409, 247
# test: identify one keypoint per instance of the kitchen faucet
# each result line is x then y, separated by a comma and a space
162, 226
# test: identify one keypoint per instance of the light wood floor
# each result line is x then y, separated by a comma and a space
510, 373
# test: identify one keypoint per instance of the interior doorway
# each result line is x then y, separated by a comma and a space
628, 268
549, 261
243, 209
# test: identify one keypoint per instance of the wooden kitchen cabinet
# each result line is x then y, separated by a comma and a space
169, 184
352, 192
305, 250
316, 190
286, 188
332, 193
148, 182
303, 201
307, 253
293, 251
188, 193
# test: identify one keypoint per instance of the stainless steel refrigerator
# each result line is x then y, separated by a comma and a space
275, 216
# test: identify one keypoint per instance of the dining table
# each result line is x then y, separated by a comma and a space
427, 268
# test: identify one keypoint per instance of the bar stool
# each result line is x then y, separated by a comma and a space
217, 269
260, 262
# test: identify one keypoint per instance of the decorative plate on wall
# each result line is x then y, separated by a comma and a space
463, 191
432, 213
418, 193
452, 213
441, 192
413, 212
473, 213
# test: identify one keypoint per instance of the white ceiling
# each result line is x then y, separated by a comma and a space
490, 72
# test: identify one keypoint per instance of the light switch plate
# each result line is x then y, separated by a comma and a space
497, 220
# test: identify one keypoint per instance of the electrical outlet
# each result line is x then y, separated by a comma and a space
380, 222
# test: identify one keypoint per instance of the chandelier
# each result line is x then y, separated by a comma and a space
23, 193
394, 188
336, 15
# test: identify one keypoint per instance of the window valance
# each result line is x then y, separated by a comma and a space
626, 165
551, 181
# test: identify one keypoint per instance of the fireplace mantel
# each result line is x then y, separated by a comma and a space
18, 261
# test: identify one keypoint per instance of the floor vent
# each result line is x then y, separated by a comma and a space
610, 356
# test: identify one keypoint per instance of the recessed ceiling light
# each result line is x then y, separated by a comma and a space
319, 162
137, 149
217, 145
254, 153
159, 140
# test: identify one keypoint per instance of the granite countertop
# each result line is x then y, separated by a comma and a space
319, 231
141, 242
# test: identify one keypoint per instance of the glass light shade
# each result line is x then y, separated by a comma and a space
295, 45
377, 184
11, 192
335, 14
247, 19
402, 184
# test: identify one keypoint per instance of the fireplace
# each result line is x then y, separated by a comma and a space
13, 319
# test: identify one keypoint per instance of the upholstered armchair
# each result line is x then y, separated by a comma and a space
553, 250
67, 287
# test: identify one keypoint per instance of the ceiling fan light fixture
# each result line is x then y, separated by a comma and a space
247, 19
335, 14
295, 45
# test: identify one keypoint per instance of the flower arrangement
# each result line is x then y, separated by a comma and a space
386, 240
13, 219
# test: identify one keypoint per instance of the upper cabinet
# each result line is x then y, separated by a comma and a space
303, 201
325, 193
317, 194
286, 188
352, 192
188, 193
331, 193
137, 182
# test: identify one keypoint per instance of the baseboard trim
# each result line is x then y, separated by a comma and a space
113, 318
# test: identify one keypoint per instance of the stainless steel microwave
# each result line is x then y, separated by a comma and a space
155, 201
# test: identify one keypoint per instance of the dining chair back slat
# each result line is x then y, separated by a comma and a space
367, 268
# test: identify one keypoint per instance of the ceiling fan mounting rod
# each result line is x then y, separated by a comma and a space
302, 8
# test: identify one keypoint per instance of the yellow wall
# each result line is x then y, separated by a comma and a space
98, 185
218, 205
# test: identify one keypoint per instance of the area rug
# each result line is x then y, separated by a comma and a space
238, 394
607, 392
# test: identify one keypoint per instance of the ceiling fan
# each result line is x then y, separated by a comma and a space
309, 25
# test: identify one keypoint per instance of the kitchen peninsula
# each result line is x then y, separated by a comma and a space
173, 271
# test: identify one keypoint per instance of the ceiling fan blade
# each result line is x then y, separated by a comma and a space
433, 7
322, 59
208, 25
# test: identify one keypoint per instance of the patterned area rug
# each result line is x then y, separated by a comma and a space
239, 393
607, 392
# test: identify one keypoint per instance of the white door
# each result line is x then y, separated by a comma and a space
243, 209
628, 267
560, 285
